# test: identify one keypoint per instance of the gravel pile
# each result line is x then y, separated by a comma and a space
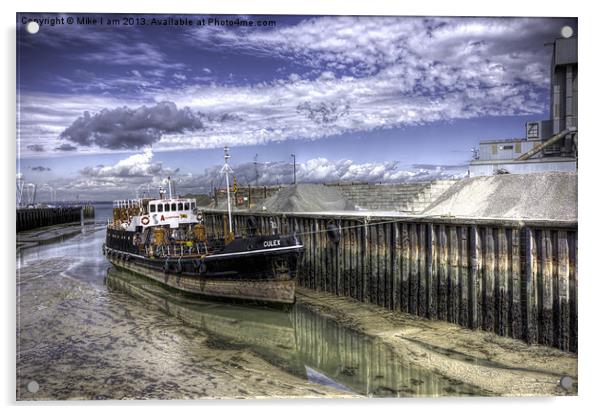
307, 198
537, 196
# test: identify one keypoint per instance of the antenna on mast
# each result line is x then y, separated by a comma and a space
227, 170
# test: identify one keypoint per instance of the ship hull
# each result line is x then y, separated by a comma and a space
244, 270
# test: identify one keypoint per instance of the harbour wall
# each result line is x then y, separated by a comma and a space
32, 218
406, 197
510, 277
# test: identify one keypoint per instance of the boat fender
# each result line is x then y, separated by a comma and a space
166, 266
179, 266
252, 225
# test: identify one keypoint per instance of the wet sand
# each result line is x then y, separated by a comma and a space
78, 342
86, 333
499, 365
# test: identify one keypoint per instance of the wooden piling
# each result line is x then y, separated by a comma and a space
511, 278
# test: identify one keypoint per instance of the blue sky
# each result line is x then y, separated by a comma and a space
104, 111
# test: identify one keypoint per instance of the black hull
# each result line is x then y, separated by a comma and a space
259, 268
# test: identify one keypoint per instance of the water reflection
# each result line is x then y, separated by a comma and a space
300, 342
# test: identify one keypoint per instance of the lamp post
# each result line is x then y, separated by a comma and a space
294, 169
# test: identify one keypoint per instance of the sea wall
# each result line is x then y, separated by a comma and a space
511, 277
32, 218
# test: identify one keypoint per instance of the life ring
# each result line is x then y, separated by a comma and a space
199, 217
145, 220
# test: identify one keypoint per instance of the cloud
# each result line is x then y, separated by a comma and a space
320, 170
352, 74
36, 147
138, 172
135, 166
126, 128
39, 168
66, 147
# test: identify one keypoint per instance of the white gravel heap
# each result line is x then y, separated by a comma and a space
307, 198
536, 196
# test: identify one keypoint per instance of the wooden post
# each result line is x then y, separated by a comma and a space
395, 268
453, 308
531, 271
464, 276
431, 270
516, 329
474, 291
489, 278
373, 264
405, 268
573, 274
563, 291
502, 283
443, 273
547, 314
413, 292
365, 262
422, 270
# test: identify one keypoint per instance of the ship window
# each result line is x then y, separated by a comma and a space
193, 205
186, 206
173, 207
507, 147
166, 207
180, 207
152, 208
160, 208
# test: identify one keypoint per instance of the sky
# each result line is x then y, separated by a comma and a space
106, 111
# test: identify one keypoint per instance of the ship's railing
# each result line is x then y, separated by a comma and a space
179, 250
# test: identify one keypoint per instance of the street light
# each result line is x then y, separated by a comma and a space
294, 169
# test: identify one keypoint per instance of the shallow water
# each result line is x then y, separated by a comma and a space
88, 331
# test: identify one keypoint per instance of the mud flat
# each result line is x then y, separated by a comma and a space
77, 342
31, 238
499, 365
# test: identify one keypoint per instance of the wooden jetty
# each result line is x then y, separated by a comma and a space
33, 218
511, 277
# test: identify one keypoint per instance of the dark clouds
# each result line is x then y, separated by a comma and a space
36, 147
39, 168
127, 128
323, 113
66, 147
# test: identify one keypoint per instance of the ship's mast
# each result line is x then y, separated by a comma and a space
169, 184
227, 170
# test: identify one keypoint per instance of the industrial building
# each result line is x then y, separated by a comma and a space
548, 145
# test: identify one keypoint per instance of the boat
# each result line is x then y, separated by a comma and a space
164, 239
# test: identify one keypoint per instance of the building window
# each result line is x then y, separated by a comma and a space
533, 130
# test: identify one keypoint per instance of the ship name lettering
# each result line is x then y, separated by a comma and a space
271, 243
